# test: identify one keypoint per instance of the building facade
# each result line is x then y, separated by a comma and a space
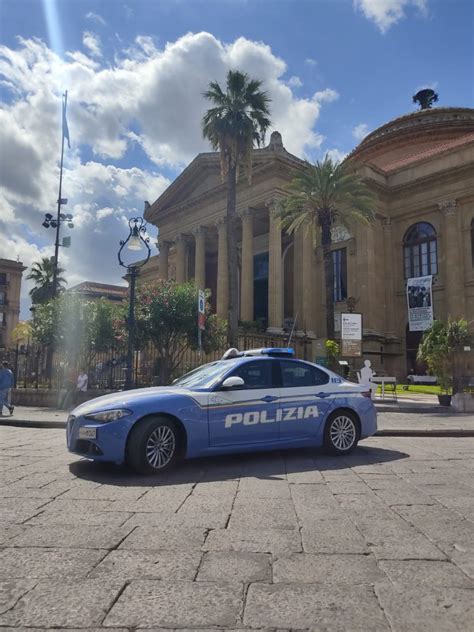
90, 290
10, 287
421, 169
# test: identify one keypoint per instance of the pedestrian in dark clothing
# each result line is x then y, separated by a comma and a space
6, 383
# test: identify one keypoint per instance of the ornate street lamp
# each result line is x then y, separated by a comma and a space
135, 241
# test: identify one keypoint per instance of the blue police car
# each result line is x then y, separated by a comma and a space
261, 399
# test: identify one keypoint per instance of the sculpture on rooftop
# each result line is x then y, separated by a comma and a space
425, 98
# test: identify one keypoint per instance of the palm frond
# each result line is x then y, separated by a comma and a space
238, 119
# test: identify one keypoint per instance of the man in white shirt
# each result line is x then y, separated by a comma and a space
81, 386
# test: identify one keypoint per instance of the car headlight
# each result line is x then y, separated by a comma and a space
109, 415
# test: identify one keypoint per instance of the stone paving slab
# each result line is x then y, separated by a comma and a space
130, 565
173, 538
303, 568
12, 590
425, 573
53, 604
82, 537
233, 566
177, 604
32, 563
276, 541
340, 608
434, 608
295, 540
333, 536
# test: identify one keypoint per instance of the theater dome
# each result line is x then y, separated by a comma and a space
417, 133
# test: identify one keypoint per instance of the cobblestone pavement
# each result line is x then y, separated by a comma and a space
381, 540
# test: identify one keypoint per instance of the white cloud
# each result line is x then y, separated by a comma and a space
148, 96
309, 61
326, 96
360, 131
336, 154
92, 42
95, 17
386, 13
295, 82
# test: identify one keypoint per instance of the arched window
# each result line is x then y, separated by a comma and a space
420, 251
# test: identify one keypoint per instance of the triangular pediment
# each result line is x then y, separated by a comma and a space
199, 177
203, 175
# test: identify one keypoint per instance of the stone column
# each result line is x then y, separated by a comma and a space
275, 285
163, 259
455, 301
307, 303
222, 270
181, 258
298, 278
390, 315
246, 281
200, 257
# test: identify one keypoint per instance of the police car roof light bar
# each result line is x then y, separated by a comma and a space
270, 351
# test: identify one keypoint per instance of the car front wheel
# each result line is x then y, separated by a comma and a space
153, 445
341, 433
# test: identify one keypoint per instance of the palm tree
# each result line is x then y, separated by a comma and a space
237, 121
42, 273
323, 195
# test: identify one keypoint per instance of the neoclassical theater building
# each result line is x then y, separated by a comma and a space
421, 167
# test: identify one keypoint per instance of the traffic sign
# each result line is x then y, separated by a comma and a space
201, 310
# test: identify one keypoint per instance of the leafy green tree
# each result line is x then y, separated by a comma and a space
440, 347
321, 196
42, 273
77, 327
166, 315
238, 119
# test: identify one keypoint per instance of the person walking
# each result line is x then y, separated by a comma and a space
81, 386
6, 383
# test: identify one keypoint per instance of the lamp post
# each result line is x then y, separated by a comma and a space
55, 222
135, 242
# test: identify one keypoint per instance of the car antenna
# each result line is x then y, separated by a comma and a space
292, 331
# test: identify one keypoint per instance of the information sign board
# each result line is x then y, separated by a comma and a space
351, 335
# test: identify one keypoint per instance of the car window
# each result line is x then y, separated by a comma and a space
255, 374
298, 374
204, 376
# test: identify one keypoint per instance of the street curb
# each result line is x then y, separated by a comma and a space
414, 410
402, 432
442, 432
22, 423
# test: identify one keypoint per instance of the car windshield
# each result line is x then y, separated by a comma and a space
205, 376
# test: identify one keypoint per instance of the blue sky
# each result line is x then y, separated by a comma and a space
335, 69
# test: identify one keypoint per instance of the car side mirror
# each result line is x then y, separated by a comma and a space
232, 382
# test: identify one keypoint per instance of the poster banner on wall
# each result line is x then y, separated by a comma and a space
420, 303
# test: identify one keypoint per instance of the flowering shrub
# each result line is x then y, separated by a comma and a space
166, 314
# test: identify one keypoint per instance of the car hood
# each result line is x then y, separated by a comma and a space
127, 399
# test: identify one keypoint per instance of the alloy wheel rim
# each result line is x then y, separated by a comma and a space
343, 432
160, 447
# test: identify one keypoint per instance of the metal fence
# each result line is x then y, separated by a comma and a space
36, 366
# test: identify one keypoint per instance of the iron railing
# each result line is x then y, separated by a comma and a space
36, 366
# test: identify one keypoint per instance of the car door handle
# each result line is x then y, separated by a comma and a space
322, 395
269, 398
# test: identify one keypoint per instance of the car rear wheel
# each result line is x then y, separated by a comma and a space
153, 445
341, 433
